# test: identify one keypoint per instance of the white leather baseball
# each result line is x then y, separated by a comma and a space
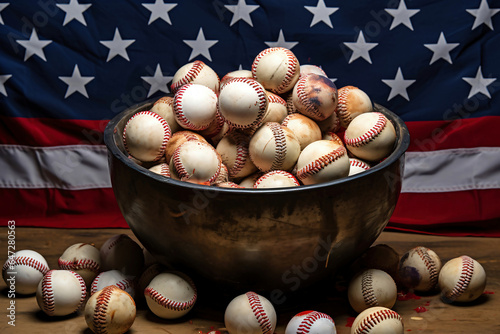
357, 166
419, 269
378, 320
122, 253
165, 108
236, 74
110, 311
371, 287
243, 102
24, 270
309, 68
84, 259
462, 279
322, 161
276, 109
196, 72
195, 106
161, 169
196, 162
305, 129
277, 69
145, 136
315, 96
276, 179
249, 181
178, 139
311, 322
250, 313
61, 292
352, 102
112, 277
233, 150
370, 136
273, 147
170, 296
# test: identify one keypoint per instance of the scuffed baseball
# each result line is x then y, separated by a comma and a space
122, 253
331, 124
277, 69
315, 96
178, 139
276, 179
333, 137
378, 320
196, 72
462, 279
370, 136
82, 258
249, 181
161, 169
274, 147
357, 166
250, 313
24, 270
170, 296
195, 106
233, 150
61, 292
352, 102
371, 287
309, 68
322, 161
419, 269
235, 74
223, 175
110, 311
276, 109
164, 107
112, 277
311, 322
305, 129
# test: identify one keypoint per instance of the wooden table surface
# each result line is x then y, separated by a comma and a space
421, 314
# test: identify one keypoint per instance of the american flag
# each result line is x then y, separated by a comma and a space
68, 66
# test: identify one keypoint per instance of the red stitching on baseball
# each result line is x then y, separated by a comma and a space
359, 163
429, 264
83, 286
101, 308
259, 312
367, 289
464, 279
280, 143
192, 73
165, 170
304, 100
373, 319
273, 98
117, 239
26, 261
241, 153
317, 165
168, 303
370, 134
276, 172
342, 106
79, 264
309, 320
48, 302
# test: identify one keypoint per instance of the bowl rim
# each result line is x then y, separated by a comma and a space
402, 144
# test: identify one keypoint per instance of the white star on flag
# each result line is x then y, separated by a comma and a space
402, 15
158, 82
159, 10
200, 46
360, 48
441, 49
34, 46
2, 7
241, 11
398, 85
118, 46
74, 11
483, 15
281, 42
76, 83
321, 13
479, 84
3, 79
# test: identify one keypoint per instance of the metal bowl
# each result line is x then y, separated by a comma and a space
275, 241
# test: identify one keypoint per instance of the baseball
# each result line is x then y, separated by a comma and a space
276, 179
24, 270
233, 150
352, 102
250, 313
195, 106
145, 136
276, 109
196, 162
308, 69
178, 139
462, 279
214, 128
249, 181
165, 108
243, 103
273, 147
357, 166
223, 175
333, 137
331, 124
196, 72
161, 169
311, 322
236, 74
226, 128
147, 275
419, 269
322, 161
112, 277
290, 107
83, 259
277, 69
305, 129
371, 287
122, 253
370, 136
110, 311
61, 292
378, 320
169, 296
315, 96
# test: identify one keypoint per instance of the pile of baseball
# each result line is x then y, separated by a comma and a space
281, 124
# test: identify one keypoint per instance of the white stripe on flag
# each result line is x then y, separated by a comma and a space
72, 167
452, 170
